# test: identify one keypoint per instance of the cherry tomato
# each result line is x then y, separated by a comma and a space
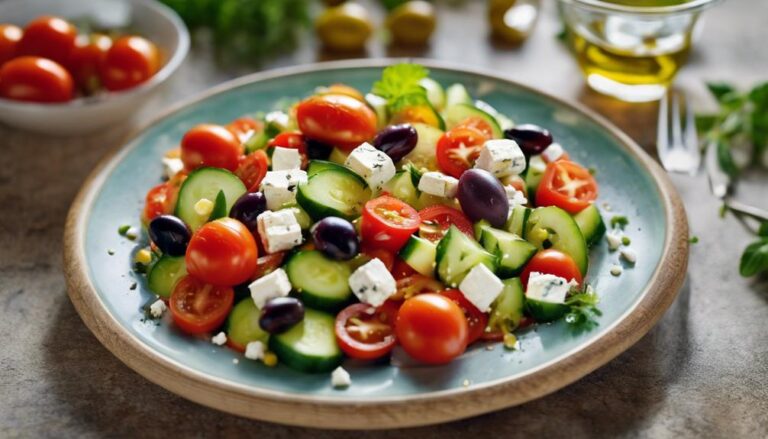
244, 127
341, 89
222, 252
267, 264
479, 124
415, 284
388, 223
158, 201
476, 319
401, 269
210, 145
292, 140
566, 185
458, 149
48, 37
432, 328
10, 36
86, 58
129, 62
34, 79
385, 256
365, 332
336, 119
436, 220
252, 168
197, 307
552, 261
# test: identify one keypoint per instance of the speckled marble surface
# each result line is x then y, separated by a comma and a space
701, 372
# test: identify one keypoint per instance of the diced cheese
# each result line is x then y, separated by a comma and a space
548, 287
279, 187
279, 230
219, 339
501, 157
204, 207
553, 152
629, 255
172, 166
340, 378
614, 241
481, 287
254, 350
438, 184
274, 284
515, 197
157, 308
285, 159
616, 270
372, 283
373, 165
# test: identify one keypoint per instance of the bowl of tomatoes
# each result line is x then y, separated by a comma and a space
78, 66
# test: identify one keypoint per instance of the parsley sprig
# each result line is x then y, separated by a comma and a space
399, 85
583, 310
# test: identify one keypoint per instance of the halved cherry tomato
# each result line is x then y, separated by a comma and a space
267, 264
385, 256
210, 145
401, 269
292, 140
130, 61
342, 89
388, 223
516, 182
198, 307
252, 169
432, 328
436, 220
365, 332
48, 37
479, 124
458, 149
552, 261
86, 58
336, 119
34, 79
244, 127
566, 185
415, 284
476, 319
10, 36
222, 252
158, 201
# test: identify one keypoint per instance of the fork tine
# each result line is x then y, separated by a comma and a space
662, 132
677, 123
691, 138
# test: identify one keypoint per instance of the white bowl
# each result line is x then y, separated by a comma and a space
147, 18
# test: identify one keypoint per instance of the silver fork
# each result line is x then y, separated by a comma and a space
678, 147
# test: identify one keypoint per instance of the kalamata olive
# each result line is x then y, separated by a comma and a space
318, 150
336, 238
248, 207
532, 139
280, 313
396, 141
482, 196
169, 234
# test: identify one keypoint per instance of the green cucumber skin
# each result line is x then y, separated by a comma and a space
569, 238
508, 308
299, 266
455, 114
456, 244
242, 325
545, 312
206, 183
420, 254
316, 209
591, 224
517, 221
511, 251
165, 273
287, 346
401, 186
318, 166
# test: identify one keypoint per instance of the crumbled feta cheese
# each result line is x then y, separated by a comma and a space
537, 164
204, 207
340, 378
372, 283
553, 152
481, 287
629, 255
132, 233
279, 187
616, 269
515, 197
285, 159
254, 350
373, 165
614, 241
548, 287
235, 361
172, 166
501, 157
279, 230
157, 308
438, 184
219, 339
269, 286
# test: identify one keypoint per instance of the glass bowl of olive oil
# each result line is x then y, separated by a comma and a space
631, 49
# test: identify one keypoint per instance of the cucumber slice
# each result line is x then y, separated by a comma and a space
480, 226
507, 310
552, 227
243, 324
456, 254
420, 254
456, 114
591, 224
317, 166
276, 122
301, 215
338, 156
322, 282
457, 94
518, 219
164, 274
544, 312
512, 252
379, 106
310, 345
435, 92
423, 155
333, 192
206, 183
401, 186
504, 122
536, 168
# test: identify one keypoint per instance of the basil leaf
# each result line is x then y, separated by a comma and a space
763, 230
759, 95
725, 159
720, 89
755, 258
219, 207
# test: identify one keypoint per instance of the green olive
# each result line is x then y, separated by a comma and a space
346, 27
512, 20
412, 23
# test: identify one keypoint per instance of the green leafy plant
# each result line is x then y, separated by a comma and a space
583, 310
399, 85
754, 260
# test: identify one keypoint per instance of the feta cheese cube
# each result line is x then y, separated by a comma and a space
438, 184
254, 350
279, 187
616, 270
501, 157
275, 284
285, 159
614, 241
481, 287
548, 287
172, 166
553, 152
515, 197
219, 339
279, 230
629, 255
203, 207
340, 378
372, 283
373, 165
157, 308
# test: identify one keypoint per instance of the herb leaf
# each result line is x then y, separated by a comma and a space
720, 89
583, 310
754, 260
399, 85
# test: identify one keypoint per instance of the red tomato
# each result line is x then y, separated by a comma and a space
29, 78
197, 307
336, 119
388, 223
222, 252
416, 284
436, 220
130, 61
401, 269
566, 185
432, 328
48, 37
292, 140
10, 36
86, 58
244, 127
267, 264
476, 319
516, 182
210, 145
365, 332
479, 124
373, 252
458, 149
159, 201
252, 169
552, 261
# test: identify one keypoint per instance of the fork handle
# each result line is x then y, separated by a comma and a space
745, 209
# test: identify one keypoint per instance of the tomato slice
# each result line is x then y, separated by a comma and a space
388, 223
479, 124
401, 269
197, 307
415, 284
244, 127
476, 319
267, 264
385, 256
552, 261
566, 185
458, 149
252, 169
436, 220
160, 200
365, 332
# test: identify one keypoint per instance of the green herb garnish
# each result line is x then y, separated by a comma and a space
693, 239
399, 85
583, 310
122, 230
620, 221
